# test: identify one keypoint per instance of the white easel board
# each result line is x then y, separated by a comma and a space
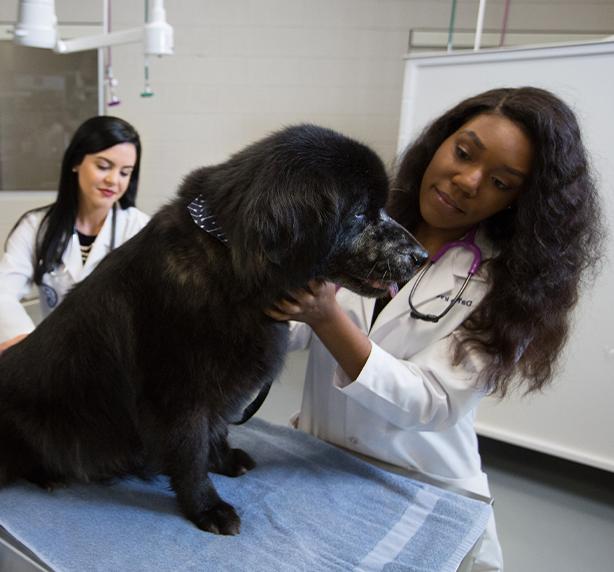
574, 417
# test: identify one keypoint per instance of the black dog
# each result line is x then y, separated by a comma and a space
142, 366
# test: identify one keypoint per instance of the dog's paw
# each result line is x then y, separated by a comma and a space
51, 486
47, 482
220, 519
236, 463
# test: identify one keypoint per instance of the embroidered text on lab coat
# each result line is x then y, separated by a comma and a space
462, 301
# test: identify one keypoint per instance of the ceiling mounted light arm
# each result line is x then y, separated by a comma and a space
131, 36
37, 27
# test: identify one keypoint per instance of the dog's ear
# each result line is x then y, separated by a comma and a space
291, 225
299, 226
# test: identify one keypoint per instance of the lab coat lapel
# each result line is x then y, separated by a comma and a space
438, 281
442, 279
395, 330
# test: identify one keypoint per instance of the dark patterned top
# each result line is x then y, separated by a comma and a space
85, 242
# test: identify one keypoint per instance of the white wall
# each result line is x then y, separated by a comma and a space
245, 67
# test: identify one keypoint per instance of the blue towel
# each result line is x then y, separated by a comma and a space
307, 506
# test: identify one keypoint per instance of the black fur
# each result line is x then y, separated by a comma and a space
142, 366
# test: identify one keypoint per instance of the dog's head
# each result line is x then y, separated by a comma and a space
308, 202
373, 253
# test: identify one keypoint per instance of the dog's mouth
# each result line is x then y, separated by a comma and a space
385, 287
370, 287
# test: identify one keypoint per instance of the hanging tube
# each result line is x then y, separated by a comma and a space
451, 26
479, 25
506, 13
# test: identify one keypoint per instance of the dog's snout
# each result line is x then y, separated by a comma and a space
417, 253
419, 256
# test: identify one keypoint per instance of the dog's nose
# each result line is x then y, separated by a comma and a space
419, 256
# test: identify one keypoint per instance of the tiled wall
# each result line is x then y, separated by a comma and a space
245, 67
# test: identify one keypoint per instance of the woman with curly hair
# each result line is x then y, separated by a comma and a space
399, 379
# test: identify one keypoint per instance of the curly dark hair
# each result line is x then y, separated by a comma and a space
544, 244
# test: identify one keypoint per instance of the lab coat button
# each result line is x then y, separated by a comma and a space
353, 440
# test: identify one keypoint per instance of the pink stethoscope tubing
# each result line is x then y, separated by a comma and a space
468, 242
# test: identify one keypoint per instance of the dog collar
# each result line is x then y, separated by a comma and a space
201, 215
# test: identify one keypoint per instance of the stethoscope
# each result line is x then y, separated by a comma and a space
113, 226
468, 242
50, 292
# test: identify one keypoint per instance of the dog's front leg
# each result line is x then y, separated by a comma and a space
188, 466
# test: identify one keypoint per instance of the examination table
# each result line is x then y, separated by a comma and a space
307, 506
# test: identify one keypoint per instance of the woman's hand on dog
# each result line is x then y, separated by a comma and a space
317, 306
311, 305
8, 343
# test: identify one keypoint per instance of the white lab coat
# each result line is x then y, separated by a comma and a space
17, 267
409, 406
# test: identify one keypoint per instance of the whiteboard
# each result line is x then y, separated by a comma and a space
574, 417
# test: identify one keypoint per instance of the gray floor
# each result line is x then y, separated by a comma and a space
552, 516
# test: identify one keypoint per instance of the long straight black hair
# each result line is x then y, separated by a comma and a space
93, 135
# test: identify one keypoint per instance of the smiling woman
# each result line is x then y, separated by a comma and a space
58, 245
505, 174
103, 179
477, 171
